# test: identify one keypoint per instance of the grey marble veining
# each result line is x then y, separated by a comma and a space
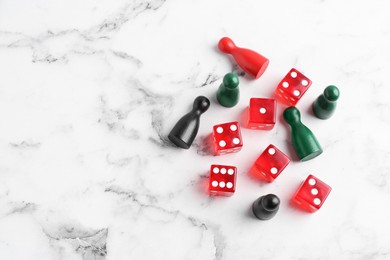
90, 90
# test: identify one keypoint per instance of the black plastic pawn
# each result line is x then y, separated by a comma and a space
186, 129
266, 207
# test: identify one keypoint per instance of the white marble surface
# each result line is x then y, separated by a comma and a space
90, 89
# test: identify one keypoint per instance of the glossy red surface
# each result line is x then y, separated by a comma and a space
312, 194
271, 163
292, 87
250, 61
222, 180
227, 138
262, 113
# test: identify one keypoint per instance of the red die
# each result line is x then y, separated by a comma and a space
292, 87
227, 138
271, 163
262, 113
222, 180
312, 194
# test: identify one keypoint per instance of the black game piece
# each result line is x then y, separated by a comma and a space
186, 129
266, 207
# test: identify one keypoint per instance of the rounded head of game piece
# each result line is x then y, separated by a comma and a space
226, 45
292, 115
270, 202
331, 93
231, 81
266, 207
201, 104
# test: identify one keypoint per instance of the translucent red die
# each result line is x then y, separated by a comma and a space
227, 138
292, 87
312, 194
262, 113
271, 163
222, 180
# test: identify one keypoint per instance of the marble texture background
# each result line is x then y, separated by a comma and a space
89, 91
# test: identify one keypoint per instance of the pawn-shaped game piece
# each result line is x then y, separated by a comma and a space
266, 207
325, 105
228, 92
186, 129
250, 61
304, 142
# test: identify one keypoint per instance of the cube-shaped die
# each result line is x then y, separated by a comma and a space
271, 163
312, 194
262, 113
222, 180
227, 138
292, 87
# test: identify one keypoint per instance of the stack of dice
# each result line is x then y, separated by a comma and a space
262, 116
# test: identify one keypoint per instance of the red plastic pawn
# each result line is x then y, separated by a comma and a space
311, 194
262, 113
271, 163
222, 180
250, 61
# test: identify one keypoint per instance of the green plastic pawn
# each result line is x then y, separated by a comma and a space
325, 105
305, 143
228, 92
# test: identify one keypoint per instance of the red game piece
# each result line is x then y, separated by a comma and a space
250, 61
292, 87
312, 194
271, 163
262, 113
222, 180
227, 138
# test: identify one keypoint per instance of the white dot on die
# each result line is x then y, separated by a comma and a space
222, 143
271, 151
219, 130
214, 183
223, 170
233, 127
216, 170
236, 140
305, 82
230, 171
293, 74
274, 170
314, 191
317, 201
229, 185
312, 181
297, 93
285, 84
263, 110
222, 184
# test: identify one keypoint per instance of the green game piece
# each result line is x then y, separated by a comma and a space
325, 105
228, 92
305, 143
